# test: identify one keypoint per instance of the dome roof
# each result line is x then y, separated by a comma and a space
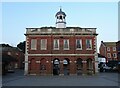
60, 12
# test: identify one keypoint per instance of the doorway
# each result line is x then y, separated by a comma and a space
66, 66
56, 66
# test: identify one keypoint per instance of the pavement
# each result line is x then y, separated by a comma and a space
19, 79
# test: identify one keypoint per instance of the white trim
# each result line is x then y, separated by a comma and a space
59, 35
114, 48
54, 42
84, 61
114, 55
64, 48
33, 44
80, 40
42, 41
109, 55
61, 54
90, 41
38, 61
26, 58
47, 61
108, 48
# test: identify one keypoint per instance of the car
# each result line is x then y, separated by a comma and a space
106, 68
11, 71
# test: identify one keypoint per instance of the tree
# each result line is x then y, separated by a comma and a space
5, 45
21, 45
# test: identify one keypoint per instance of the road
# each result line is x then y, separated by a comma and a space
101, 79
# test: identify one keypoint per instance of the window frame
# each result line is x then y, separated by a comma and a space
90, 44
114, 55
108, 48
80, 41
54, 44
109, 55
114, 48
33, 45
41, 45
64, 48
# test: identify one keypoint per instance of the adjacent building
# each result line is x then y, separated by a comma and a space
60, 50
12, 56
118, 49
108, 49
101, 59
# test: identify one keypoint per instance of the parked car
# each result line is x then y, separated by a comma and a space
106, 68
11, 71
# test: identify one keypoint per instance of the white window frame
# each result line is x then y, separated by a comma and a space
33, 44
45, 47
108, 55
114, 55
108, 48
114, 48
90, 44
54, 41
64, 44
80, 40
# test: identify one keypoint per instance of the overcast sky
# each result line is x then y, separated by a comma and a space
17, 16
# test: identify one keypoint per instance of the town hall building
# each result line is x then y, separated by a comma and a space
61, 50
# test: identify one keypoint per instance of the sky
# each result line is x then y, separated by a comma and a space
17, 16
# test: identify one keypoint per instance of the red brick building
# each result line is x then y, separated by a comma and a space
108, 49
118, 49
60, 50
118, 54
12, 57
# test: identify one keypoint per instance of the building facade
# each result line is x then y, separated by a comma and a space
60, 50
12, 57
118, 49
108, 49
118, 54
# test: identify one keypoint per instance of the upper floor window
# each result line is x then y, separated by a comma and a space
33, 44
114, 55
56, 44
9, 53
108, 55
78, 44
43, 44
88, 44
108, 48
66, 44
114, 48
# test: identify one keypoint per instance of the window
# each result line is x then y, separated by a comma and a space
43, 44
56, 44
108, 55
61, 17
88, 44
78, 44
9, 53
66, 44
114, 55
33, 44
114, 48
108, 48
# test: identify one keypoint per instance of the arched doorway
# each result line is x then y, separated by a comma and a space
89, 66
42, 66
79, 66
66, 66
56, 66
